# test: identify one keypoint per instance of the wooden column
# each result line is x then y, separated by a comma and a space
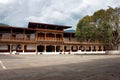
55, 48
91, 48
44, 48
85, 48
97, 48
102, 48
70, 49
62, 36
45, 36
63, 49
36, 36
36, 50
77, 48
55, 37
70, 36
24, 37
10, 33
10, 49
23, 48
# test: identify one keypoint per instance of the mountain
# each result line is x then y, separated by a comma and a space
2, 24
70, 31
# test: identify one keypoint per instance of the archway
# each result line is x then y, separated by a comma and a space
50, 48
40, 48
88, 48
74, 48
57, 48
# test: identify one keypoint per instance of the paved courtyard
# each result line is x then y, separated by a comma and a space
59, 67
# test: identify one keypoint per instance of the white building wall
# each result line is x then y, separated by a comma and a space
73, 40
3, 47
31, 47
6, 35
32, 36
19, 36
66, 39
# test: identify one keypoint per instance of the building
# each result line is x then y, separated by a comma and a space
41, 38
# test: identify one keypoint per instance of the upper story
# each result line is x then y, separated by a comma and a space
37, 32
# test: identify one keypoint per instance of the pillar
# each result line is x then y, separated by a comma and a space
63, 49
70, 37
55, 48
102, 49
10, 33
36, 50
10, 49
62, 36
97, 48
24, 38
44, 48
70, 49
91, 48
45, 36
85, 48
36, 35
55, 37
23, 47
77, 48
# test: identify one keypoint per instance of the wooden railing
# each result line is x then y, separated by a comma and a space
49, 38
16, 39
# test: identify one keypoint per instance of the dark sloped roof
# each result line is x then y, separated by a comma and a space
33, 25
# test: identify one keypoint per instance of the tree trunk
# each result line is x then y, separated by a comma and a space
115, 47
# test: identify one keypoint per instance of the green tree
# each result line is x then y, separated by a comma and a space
114, 22
102, 26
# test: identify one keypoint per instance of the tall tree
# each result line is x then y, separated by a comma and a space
102, 26
114, 22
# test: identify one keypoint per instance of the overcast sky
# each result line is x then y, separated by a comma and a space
61, 12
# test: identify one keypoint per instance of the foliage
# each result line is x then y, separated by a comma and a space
103, 26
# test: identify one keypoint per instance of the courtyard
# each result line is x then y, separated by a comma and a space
60, 67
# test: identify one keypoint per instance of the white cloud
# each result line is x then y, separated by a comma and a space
61, 12
5, 1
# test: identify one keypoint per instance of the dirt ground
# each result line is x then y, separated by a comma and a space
59, 67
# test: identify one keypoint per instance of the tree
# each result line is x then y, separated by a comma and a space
114, 22
102, 26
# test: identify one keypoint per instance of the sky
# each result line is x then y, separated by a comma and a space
61, 12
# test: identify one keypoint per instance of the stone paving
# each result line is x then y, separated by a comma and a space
60, 67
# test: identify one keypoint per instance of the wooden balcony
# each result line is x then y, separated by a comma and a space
49, 39
16, 40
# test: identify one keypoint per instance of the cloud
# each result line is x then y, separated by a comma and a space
61, 12
5, 1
